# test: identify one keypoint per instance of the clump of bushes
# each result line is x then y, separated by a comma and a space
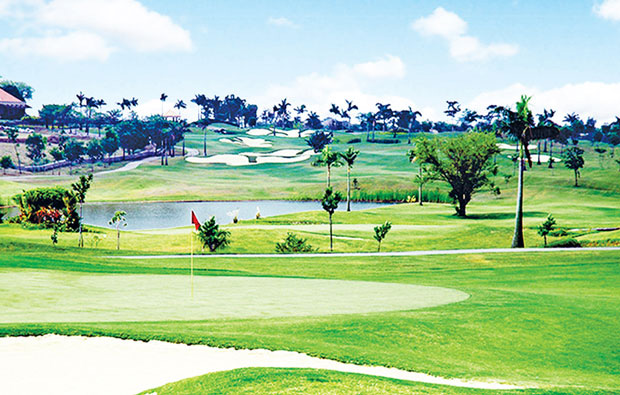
564, 243
293, 244
48, 207
401, 195
384, 141
354, 141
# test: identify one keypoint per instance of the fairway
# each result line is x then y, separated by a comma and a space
57, 296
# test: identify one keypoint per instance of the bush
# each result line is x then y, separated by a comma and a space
401, 195
293, 244
564, 243
354, 141
384, 141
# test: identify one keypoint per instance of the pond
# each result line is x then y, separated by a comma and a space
143, 215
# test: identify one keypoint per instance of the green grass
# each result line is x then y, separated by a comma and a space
545, 319
309, 381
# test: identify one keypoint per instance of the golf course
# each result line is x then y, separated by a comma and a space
538, 321
310, 197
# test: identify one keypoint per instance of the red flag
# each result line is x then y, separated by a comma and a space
195, 220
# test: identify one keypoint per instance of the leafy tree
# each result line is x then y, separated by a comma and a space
95, 151
520, 126
74, 150
35, 147
464, 162
330, 202
212, 236
314, 122
57, 154
20, 90
349, 157
119, 219
132, 135
381, 231
6, 163
79, 191
319, 139
110, 142
329, 159
13, 134
293, 244
546, 227
573, 159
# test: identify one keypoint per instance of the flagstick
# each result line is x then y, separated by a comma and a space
191, 261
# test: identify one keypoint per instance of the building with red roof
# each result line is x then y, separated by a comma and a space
11, 107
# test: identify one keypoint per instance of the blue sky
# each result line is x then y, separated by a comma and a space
417, 53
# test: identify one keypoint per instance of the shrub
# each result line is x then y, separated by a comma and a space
354, 141
384, 141
212, 236
293, 244
564, 243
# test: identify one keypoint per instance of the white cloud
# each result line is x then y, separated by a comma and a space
281, 22
74, 46
390, 67
441, 23
106, 24
453, 29
608, 9
588, 99
359, 83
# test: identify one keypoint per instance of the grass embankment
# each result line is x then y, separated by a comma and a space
382, 170
309, 381
544, 319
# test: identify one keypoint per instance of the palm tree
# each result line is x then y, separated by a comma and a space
349, 156
12, 134
179, 105
281, 112
300, 111
162, 98
520, 126
329, 159
119, 219
200, 100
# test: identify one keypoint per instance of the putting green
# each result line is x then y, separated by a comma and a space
58, 296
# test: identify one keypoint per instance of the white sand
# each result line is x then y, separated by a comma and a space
242, 159
543, 158
248, 142
293, 133
531, 147
227, 159
65, 365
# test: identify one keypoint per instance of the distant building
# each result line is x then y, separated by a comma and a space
172, 116
11, 107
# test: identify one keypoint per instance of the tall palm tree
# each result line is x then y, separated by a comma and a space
300, 111
162, 98
349, 156
329, 159
179, 105
520, 126
200, 100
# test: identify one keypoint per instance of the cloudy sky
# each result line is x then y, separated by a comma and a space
318, 52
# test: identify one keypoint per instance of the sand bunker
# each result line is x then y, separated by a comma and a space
248, 142
102, 365
531, 147
543, 158
255, 158
293, 133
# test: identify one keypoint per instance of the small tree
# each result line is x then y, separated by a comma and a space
349, 156
293, 244
6, 163
212, 236
329, 159
330, 202
464, 162
381, 231
118, 220
35, 146
54, 236
79, 191
573, 159
13, 134
546, 227
319, 139
94, 150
